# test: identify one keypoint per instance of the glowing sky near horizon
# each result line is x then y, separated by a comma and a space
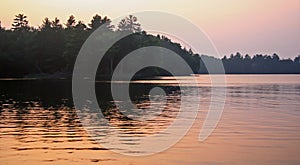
247, 26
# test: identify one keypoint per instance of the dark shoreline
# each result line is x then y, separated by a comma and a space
68, 76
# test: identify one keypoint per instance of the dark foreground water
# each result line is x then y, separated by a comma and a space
260, 123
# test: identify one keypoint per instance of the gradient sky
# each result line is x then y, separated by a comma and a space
247, 26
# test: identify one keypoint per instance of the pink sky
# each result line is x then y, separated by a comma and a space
247, 26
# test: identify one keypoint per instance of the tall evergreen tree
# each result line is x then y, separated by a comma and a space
71, 22
20, 23
97, 21
131, 24
56, 24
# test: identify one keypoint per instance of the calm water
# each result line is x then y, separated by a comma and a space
260, 123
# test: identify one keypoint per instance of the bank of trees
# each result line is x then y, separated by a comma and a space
261, 64
53, 46
52, 49
258, 64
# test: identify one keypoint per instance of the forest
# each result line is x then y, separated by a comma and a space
50, 50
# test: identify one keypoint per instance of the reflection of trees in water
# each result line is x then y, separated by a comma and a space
140, 97
43, 110
31, 121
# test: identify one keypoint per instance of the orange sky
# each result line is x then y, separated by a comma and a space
248, 26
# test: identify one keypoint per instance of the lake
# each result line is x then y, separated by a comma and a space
260, 123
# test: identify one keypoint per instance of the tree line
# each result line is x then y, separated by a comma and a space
258, 64
52, 48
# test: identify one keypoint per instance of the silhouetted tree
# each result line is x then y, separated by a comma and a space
56, 24
46, 24
80, 26
130, 24
97, 21
275, 57
297, 59
71, 22
20, 23
48, 48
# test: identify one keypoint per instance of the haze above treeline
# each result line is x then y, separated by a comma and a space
52, 48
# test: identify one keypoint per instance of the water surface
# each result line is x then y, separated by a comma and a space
260, 123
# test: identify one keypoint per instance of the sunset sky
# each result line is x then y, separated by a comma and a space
247, 26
